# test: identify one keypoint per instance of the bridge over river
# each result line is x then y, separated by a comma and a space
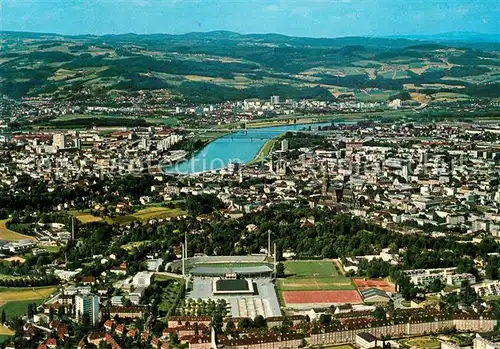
240, 146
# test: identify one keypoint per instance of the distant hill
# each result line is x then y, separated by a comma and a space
221, 65
469, 37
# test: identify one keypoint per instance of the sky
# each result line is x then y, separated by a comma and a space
314, 18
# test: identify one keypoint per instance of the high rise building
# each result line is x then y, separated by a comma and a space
59, 140
284, 145
144, 143
87, 305
74, 227
275, 99
78, 143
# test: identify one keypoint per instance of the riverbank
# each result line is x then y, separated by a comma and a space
315, 118
282, 121
264, 151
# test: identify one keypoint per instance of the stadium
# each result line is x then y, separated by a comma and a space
244, 282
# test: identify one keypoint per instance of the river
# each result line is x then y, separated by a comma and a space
241, 147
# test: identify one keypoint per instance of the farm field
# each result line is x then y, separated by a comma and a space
373, 95
9, 235
161, 69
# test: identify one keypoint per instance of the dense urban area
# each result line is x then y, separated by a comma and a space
216, 191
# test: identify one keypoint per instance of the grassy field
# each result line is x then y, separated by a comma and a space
264, 151
313, 275
9, 294
19, 308
7, 234
311, 268
153, 212
170, 290
131, 245
3, 337
84, 216
51, 249
15, 300
4, 331
162, 121
372, 95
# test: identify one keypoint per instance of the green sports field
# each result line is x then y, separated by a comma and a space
313, 275
311, 268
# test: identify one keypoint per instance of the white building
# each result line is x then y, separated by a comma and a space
457, 279
284, 145
425, 276
59, 141
365, 340
481, 343
142, 279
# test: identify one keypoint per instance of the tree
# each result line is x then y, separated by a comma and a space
104, 345
259, 321
280, 270
217, 322
325, 319
379, 313
435, 285
230, 327
2, 317
174, 338
245, 323
61, 312
139, 324
126, 301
